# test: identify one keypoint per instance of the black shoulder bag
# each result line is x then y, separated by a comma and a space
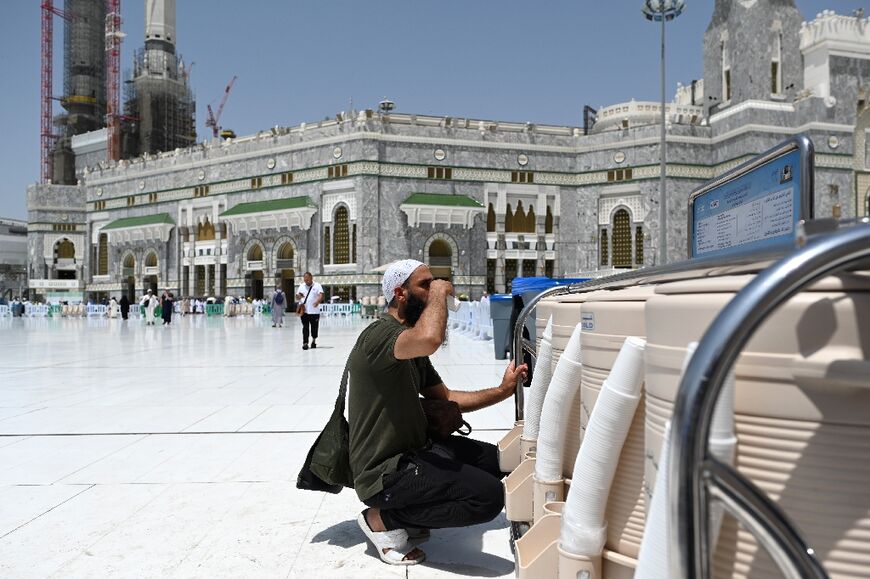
327, 466
443, 418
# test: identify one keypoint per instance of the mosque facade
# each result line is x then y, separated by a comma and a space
480, 201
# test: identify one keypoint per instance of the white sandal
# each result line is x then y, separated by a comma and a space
396, 541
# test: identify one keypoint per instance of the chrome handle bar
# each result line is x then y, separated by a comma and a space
695, 476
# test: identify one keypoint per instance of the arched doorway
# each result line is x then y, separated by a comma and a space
441, 260
621, 239
128, 273
254, 278
65, 259
254, 284
341, 236
150, 279
284, 267
103, 254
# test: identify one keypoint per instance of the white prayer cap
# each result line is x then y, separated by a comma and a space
398, 273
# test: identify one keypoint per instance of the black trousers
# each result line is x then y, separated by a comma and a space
454, 483
312, 321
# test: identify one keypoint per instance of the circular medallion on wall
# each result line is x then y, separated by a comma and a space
337, 152
99, 191
522, 159
833, 141
619, 157
64, 217
141, 184
271, 163
200, 175
440, 154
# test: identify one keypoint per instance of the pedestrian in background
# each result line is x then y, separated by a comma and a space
309, 294
125, 306
279, 302
150, 305
167, 304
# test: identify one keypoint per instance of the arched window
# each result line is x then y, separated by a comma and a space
103, 255
341, 236
603, 246
440, 259
255, 253
129, 266
66, 249
548, 221
151, 260
509, 220
726, 70
205, 231
490, 218
519, 218
531, 226
776, 63
621, 239
285, 251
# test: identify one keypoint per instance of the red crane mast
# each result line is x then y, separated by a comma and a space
114, 36
213, 119
46, 137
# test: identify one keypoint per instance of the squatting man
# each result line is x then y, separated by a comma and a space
410, 483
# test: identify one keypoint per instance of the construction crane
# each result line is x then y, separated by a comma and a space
213, 119
114, 36
46, 137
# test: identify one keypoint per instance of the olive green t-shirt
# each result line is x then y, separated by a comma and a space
384, 412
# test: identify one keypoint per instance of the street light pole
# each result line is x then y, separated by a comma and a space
663, 10
663, 197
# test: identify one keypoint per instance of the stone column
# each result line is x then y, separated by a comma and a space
540, 228
164, 271
500, 243
609, 246
209, 281
633, 245
225, 255
217, 248
191, 271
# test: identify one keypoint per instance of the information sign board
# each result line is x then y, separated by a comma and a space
756, 206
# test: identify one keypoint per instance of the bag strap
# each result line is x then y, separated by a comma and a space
342, 390
305, 301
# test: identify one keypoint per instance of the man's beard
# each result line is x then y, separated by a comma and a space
413, 309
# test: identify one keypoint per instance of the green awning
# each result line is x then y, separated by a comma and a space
442, 200
271, 205
128, 222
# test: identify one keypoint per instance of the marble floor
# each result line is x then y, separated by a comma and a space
134, 451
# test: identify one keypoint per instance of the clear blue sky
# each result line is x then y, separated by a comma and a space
300, 61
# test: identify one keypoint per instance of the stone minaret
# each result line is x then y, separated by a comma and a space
751, 51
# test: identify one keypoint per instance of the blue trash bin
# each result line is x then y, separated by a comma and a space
500, 307
529, 288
